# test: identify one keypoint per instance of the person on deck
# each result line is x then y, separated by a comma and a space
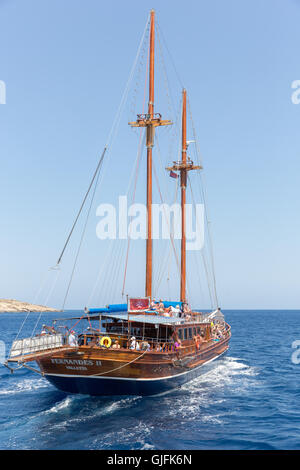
186, 308
43, 332
72, 339
174, 311
145, 345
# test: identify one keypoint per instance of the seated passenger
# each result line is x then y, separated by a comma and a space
132, 343
153, 305
219, 333
144, 345
116, 345
175, 311
186, 308
202, 338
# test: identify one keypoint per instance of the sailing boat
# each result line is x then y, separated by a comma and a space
140, 347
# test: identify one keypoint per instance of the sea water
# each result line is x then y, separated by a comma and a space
249, 399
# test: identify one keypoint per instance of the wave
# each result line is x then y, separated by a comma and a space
80, 409
225, 372
25, 385
132, 437
201, 398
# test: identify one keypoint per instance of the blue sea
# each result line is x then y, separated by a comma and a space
248, 400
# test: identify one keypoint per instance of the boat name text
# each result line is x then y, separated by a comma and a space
76, 362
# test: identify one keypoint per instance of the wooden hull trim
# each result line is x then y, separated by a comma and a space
118, 386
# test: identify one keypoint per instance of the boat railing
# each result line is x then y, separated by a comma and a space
21, 347
157, 344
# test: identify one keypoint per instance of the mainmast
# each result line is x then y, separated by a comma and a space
183, 178
150, 121
183, 167
149, 144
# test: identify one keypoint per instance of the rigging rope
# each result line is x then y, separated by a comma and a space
82, 205
109, 140
141, 143
202, 253
171, 236
120, 367
202, 189
80, 243
47, 299
113, 130
162, 270
172, 61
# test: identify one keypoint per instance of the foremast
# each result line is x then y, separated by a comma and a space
150, 121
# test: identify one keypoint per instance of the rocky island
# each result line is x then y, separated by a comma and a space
11, 305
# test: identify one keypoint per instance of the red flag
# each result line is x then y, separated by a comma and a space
135, 305
173, 175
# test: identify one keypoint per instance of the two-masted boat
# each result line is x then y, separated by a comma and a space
140, 347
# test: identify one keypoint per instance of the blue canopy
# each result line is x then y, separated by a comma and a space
123, 307
110, 308
172, 304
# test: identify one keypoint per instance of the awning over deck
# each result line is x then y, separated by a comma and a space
139, 318
151, 319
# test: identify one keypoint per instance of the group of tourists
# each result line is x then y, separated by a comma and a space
142, 345
216, 332
180, 311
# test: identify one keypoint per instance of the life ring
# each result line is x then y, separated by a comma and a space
105, 341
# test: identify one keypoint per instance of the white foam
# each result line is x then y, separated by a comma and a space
59, 406
196, 398
137, 434
25, 385
223, 373
91, 410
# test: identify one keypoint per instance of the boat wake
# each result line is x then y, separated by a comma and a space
201, 401
201, 398
226, 371
26, 385
76, 410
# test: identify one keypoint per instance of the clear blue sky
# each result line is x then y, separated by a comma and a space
65, 65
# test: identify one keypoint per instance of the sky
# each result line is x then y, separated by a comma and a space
65, 66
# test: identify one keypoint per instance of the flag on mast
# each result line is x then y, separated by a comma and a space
173, 174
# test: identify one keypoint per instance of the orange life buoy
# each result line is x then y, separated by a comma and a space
105, 341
